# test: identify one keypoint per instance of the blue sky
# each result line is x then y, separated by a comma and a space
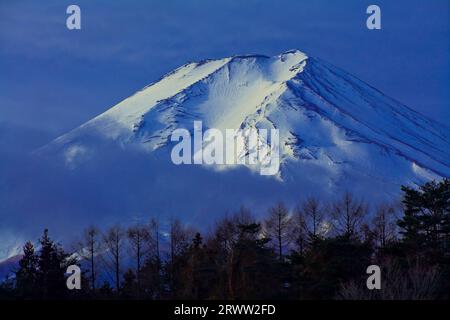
53, 79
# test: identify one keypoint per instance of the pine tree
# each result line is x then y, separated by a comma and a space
27, 275
130, 285
197, 241
253, 266
426, 222
332, 261
52, 265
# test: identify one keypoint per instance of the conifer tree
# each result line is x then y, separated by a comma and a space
426, 222
52, 264
27, 274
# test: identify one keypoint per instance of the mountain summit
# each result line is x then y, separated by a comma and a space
336, 132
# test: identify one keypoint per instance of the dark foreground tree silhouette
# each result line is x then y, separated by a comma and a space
236, 259
426, 223
27, 274
42, 275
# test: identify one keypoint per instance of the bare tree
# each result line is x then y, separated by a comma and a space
180, 237
279, 227
384, 225
139, 237
113, 240
155, 236
89, 248
348, 215
300, 234
313, 217
154, 257
227, 233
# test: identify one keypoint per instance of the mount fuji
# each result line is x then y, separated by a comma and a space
336, 134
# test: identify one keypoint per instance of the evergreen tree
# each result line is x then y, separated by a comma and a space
52, 265
152, 279
253, 266
426, 222
27, 275
425, 227
7, 290
130, 285
106, 291
333, 261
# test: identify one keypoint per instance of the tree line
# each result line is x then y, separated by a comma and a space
312, 251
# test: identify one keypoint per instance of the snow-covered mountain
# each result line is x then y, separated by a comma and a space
336, 132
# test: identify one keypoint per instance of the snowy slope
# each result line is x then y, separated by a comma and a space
335, 130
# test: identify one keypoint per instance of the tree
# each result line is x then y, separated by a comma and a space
384, 226
253, 266
348, 215
139, 237
197, 241
152, 269
426, 222
216, 256
113, 240
314, 217
27, 274
199, 271
89, 248
130, 286
425, 226
279, 228
105, 291
155, 239
7, 290
331, 262
179, 237
52, 265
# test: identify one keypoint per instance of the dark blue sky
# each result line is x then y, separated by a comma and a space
53, 79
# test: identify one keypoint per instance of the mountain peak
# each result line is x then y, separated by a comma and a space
334, 128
